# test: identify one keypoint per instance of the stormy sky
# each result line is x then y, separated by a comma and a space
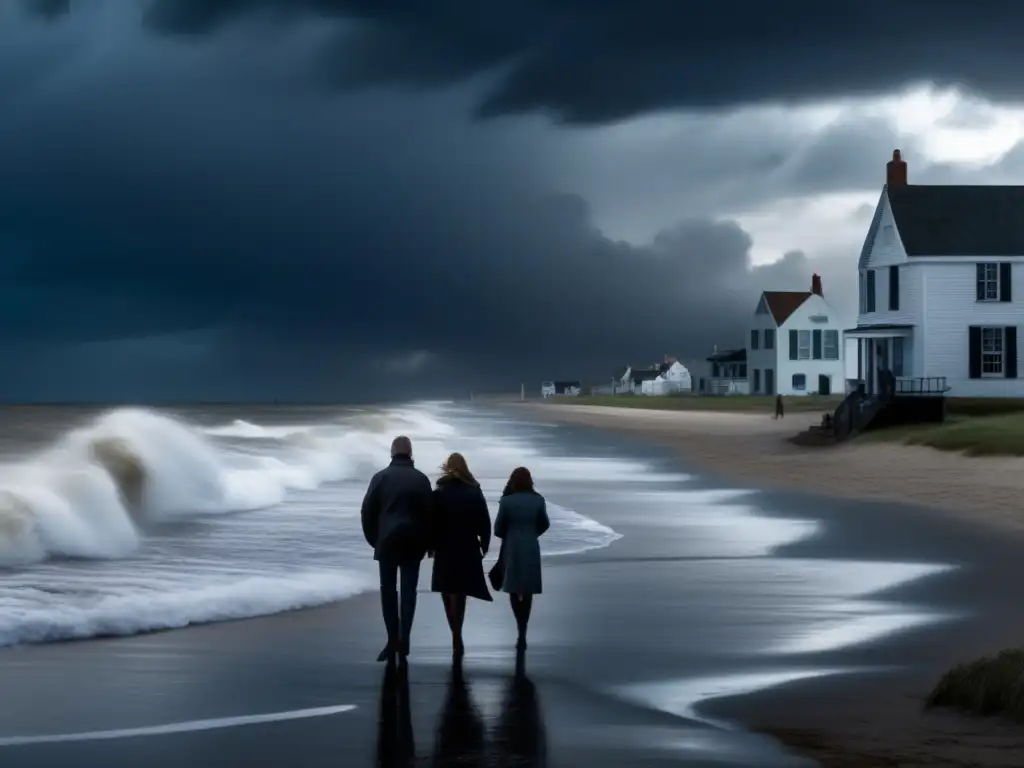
358, 199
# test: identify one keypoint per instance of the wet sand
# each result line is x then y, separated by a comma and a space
961, 510
608, 618
755, 449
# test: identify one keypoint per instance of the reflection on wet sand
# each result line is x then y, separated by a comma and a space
461, 736
517, 738
520, 737
396, 745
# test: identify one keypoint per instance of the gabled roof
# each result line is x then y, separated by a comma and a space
782, 304
869, 241
945, 220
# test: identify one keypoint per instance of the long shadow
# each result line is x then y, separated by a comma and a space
396, 746
461, 738
520, 737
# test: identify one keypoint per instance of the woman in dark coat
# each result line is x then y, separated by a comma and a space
522, 519
462, 534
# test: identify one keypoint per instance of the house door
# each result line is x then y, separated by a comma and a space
769, 381
824, 385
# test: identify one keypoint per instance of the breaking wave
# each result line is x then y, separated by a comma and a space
141, 520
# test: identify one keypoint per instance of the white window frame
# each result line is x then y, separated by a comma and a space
825, 347
990, 280
803, 345
803, 384
993, 349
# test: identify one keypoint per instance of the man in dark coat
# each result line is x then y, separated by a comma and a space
396, 520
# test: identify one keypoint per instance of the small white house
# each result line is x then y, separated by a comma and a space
795, 344
560, 388
664, 378
673, 378
941, 282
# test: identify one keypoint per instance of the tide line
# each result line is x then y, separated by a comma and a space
171, 728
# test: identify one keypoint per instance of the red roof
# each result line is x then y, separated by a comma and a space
782, 304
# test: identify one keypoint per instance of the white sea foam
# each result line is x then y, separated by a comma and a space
170, 523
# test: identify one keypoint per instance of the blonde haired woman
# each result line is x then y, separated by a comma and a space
461, 535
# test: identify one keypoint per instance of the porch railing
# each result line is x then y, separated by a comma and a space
922, 385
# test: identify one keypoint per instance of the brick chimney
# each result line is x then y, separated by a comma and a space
816, 285
896, 171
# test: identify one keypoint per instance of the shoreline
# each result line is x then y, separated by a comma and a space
868, 718
608, 616
755, 449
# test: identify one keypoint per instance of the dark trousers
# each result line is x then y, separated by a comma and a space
398, 623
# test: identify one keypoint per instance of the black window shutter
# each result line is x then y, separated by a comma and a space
894, 288
816, 342
1010, 352
870, 291
793, 342
974, 352
1006, 281
981, 282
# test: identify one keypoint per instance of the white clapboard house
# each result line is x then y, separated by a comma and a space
560, 389
665, 378
795, 344
941, 282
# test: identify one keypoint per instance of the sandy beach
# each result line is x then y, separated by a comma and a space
754, 448
873, 719
838, 613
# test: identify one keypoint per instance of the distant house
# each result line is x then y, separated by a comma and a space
795, 344
942, 289
673, 378
667, 377
728, 373
560, 389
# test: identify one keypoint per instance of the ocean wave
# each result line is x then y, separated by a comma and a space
93, 493
142, 521
148, 611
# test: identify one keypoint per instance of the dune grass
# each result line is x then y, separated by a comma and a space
993, 685
738, 403
1001, 435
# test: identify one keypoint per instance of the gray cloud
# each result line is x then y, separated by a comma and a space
202, 222
605, 60
47, 9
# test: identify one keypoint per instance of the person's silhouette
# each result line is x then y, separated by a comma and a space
461, 738
520, 737
396, 747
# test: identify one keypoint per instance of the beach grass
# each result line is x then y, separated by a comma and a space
993, 685
737, 403
1001, 435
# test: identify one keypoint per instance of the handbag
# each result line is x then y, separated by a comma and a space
497, 573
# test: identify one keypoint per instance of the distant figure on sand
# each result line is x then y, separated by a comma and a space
522, 520
396, 523
461, 535
780, 411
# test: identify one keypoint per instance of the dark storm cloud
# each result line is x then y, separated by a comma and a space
47, 9
604, 60
212, 228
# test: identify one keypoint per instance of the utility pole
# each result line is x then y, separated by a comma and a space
522, 391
